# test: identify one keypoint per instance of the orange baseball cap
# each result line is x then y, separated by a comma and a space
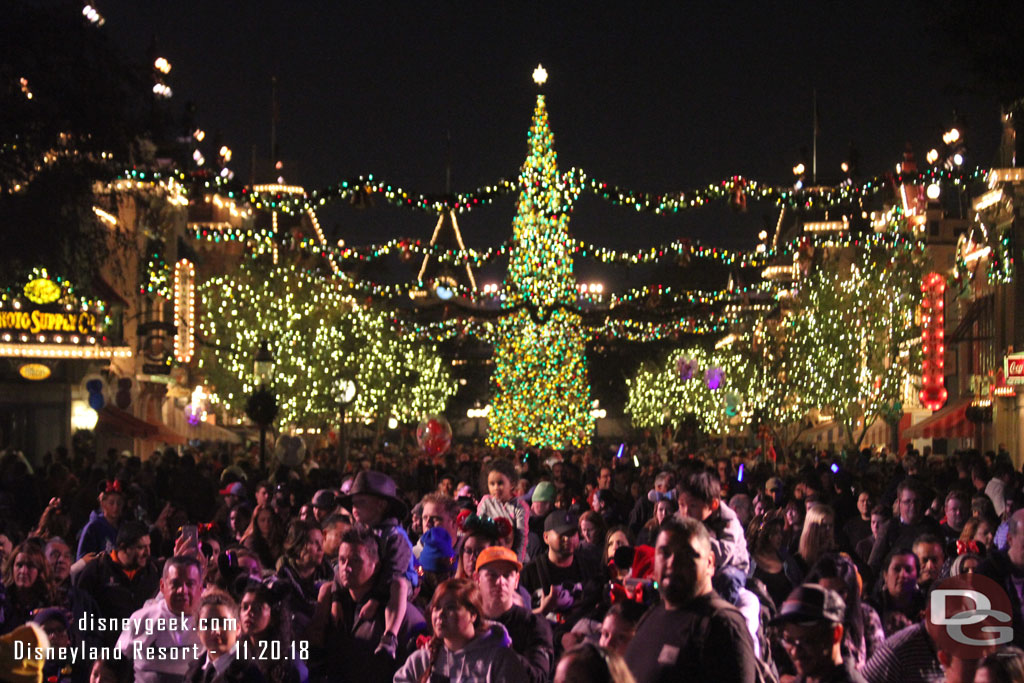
497, 553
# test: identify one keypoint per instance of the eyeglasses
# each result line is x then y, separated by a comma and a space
807, 640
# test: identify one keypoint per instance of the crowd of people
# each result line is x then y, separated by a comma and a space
601, 564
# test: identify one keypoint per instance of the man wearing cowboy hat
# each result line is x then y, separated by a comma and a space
375, 504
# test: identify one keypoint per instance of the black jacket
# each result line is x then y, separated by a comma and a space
898, 536
532, 640
998, 567
116, 594
237, 672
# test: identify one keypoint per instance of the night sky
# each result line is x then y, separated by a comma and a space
651, 96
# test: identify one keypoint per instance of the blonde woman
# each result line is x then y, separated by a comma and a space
817, 537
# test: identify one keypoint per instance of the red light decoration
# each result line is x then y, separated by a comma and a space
933, 347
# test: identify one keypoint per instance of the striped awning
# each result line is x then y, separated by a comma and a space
949, 422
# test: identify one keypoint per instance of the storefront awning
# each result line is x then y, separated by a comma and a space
201, 431
117, 421
949, 422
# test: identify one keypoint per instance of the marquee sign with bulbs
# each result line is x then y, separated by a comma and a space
46, 319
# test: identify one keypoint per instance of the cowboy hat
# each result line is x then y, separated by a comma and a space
378, 484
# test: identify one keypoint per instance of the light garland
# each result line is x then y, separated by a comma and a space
735, 190
64, 351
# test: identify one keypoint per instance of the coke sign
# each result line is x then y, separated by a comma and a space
1013, 368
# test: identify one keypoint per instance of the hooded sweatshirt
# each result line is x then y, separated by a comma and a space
487, 658
98, 536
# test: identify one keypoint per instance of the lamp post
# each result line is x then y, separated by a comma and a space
262, 406
345, 391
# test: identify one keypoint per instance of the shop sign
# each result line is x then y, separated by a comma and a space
1013, 368
34, 321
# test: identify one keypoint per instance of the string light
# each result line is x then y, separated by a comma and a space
184, 310
316, 333
575, 182
933, 320
64, 351
540, 394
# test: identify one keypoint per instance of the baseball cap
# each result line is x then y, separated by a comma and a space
325, 499
543, 492
811, 603
773, 484
560, 521
497, 553
235, 489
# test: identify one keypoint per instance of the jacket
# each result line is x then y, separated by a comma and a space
488, 658
998, 567
97, 536
238, 671
516, 512
532, 641
117, 595
727, 539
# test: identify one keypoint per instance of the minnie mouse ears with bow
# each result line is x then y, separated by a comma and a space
481, 525
112, 486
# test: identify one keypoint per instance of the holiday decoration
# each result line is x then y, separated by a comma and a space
184, 310
686, 367
540, 391
736, 190
933, 350
434, 435
733, 403
290, 451
316, 332
713, 378
656, 395
850, 343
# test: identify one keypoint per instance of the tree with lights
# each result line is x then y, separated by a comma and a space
541, 395
317, 335
850, 343
720, 389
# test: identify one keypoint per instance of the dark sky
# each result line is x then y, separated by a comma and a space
651, 96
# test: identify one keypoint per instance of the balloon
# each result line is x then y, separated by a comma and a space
290, 451
686, 367
434, 435
713, 378
96, 398
733, 402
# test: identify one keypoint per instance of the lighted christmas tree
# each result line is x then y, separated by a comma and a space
317, 333
541, 395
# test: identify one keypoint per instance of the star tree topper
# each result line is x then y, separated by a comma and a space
540, 75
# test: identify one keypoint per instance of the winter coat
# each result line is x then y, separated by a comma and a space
488, 658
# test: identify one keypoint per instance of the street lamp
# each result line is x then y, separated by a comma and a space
345, 390
262, 406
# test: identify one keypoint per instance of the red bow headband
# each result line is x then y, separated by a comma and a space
967, 547
113, 487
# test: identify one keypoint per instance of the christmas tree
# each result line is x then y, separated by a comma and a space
541, 396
